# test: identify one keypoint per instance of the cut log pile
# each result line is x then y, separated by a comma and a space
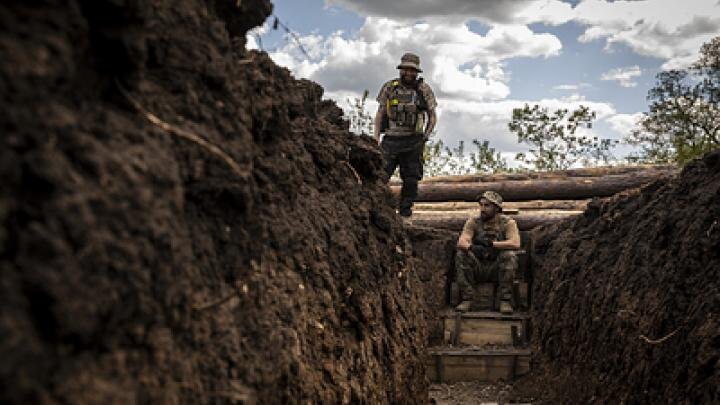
532, 199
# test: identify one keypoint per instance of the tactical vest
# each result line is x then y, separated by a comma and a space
494, 229
406, 108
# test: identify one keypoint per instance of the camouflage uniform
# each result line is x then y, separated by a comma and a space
404, 141
501, 270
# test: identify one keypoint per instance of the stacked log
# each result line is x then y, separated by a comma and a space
534, 205
532, 199
455, 221
557, 174
568, 188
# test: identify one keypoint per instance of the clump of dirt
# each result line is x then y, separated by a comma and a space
184, 222
626, 296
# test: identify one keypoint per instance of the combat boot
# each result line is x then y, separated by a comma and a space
506, 307
463, 306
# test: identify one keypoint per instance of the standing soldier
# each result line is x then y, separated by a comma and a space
405, 106
486, 252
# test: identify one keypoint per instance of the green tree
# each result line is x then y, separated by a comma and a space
486, 159
554, 141
683, 121
440, 159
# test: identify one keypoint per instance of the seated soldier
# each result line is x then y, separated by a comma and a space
486, 252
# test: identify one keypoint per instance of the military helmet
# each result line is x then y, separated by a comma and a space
493, 197
410, 61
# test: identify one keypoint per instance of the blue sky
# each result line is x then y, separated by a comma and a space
485, 57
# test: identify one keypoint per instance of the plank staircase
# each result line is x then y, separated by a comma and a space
484, 345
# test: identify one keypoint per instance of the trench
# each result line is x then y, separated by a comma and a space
484, 356
182, 221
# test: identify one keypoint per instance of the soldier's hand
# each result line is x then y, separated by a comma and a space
463, 244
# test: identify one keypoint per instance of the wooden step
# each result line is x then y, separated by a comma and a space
483, 328
449, 365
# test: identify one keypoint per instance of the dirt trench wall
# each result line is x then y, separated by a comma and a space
432, 259
627, 302
236, 245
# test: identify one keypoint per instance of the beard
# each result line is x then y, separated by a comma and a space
408, 79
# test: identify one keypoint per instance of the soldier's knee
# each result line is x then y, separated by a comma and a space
507, 259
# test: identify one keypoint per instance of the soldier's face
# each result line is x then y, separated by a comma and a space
408, 75
487, 209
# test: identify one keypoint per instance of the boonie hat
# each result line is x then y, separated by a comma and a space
410, 61
493, 197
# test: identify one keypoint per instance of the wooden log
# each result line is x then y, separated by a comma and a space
571, 188
557, 174
454, 222
566, 205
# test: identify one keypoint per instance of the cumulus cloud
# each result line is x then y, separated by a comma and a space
667, 29
489, 11
456, 61
624, 123
623, 75
571, 87
468, 70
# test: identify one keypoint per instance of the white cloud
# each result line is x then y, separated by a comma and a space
489, 11
457, 62
670, 30
623, 75
667, 29
571, 87
624, 123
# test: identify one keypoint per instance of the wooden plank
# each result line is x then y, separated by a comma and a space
440, 366
484, 366
455, 222
482, 331
523, 290
486, 315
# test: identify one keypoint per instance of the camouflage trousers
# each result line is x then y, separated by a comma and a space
406, 152
471, 271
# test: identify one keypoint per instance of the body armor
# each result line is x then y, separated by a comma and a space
405, 110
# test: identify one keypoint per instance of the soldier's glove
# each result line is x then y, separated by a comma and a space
484, 241
479, 251
484, 250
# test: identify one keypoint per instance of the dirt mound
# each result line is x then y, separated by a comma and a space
183, 222
626, 296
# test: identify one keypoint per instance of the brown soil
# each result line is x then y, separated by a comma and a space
626, 296
474, 393
243, 249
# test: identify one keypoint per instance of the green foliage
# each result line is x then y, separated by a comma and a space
683, 121
442, 160
553, 138
361, 121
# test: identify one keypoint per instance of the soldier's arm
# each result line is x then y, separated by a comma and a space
432, 120
382, 100
431, 103
513, 238
378, 122
465, 240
